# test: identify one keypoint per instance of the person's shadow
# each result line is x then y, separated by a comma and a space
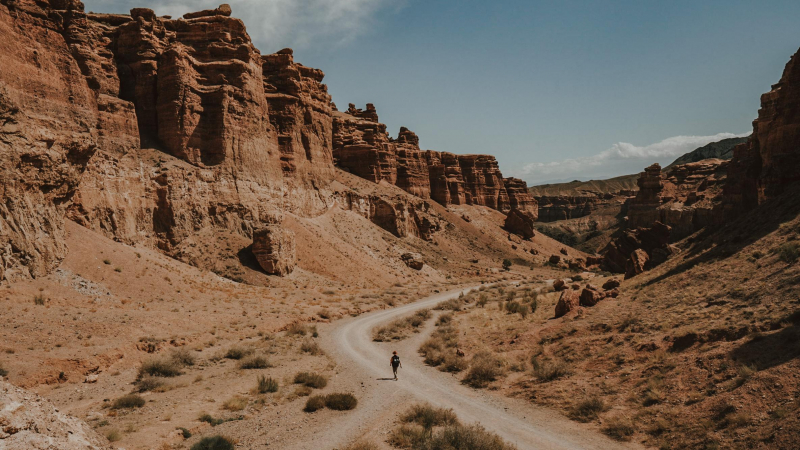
385, 379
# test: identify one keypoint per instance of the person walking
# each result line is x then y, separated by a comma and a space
395, 363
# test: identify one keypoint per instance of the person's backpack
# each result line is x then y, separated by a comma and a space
395, 360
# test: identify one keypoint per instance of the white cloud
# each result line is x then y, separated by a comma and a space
622, 158
274, 24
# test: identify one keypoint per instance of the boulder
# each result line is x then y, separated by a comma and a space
611, 284
554, 259
559, 285
413, 260
577, 264
520, 223
613, 293
636, 264
567, 302
563, 251
591, 296
274, 249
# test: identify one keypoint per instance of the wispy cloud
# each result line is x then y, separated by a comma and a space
622, 158
274, 24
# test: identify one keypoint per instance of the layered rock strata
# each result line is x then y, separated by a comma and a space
362, 146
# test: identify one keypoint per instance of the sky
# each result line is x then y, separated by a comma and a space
556, 90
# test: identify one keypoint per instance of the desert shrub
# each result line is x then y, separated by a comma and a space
237, 353
38, 300
428, 416
507, 264
296, 329
444, 319
113, 435
160, 367
789, 252
514, 307
311, 379
254, 362
454, 304
483, 299
303, 391
3, 371
149, 383
587, 410
311, 347
409, 436
341, 402
265, 385
546, 371
619, 428
314, 403
209, 419
484, 368
467, 437
183, 357
214, 443
453, 363
185, 433
398, 329
129, 401
235, 403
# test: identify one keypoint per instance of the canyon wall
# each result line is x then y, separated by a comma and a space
362, 146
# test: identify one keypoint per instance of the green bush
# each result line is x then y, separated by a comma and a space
129, 401
214, 443
310, 379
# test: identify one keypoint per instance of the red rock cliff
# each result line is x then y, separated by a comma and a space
362, 146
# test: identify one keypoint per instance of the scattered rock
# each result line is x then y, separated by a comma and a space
91, 378
611, 284
559, 285
413, 260
223, 10
591, 296
274, 249
520, 223
567, 302
554, 259
636, 264
563, 251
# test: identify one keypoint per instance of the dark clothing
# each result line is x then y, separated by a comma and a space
395, 362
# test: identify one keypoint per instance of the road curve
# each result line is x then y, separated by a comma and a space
366, 362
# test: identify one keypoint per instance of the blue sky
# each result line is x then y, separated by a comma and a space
557, 90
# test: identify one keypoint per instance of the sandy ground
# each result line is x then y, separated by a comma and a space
364, 369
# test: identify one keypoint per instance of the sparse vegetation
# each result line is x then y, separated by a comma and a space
39, 300
789, 252
160, 367
399, 329
484, 368
429, 428
214, 443
362, 445
440, 350
254, 362
311, 347
619, 428
149, 383
238, 353
587, 410
235, 403
265, 385
548, 370
310, 379
3, 371
297, 329
507, 264
113, 435
428, 416
129, 401
337, 402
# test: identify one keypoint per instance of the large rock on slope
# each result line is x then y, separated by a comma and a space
29, 422
567, 302
635, 251
274, 249
520, 223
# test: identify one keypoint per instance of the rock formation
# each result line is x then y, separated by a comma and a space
362, 146
274, 249
520, 223
769, 161
29, 422
553, 208
413, 260
567, 302
638, 250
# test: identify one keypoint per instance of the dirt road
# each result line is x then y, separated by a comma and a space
364, 370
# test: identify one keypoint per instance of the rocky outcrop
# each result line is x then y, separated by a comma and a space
567, 302
413, 260
362, 146
520, 223
769, 161
590, 296
684, 198
399, 215
638, 250
556, 208
274, 249
29, 422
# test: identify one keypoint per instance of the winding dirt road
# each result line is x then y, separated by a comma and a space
364, 369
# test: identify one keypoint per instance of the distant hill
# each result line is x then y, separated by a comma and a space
577, 188
721, 149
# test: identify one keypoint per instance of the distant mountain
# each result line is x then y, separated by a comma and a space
721, 149
579, 188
